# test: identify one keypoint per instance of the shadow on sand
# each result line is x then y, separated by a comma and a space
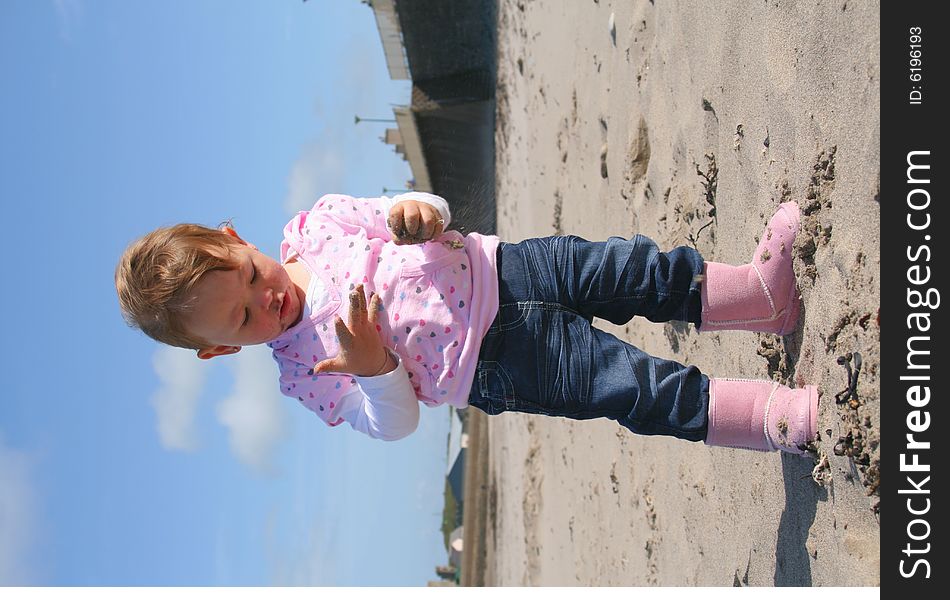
792, 561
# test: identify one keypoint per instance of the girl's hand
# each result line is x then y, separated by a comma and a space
413, 222
361, 350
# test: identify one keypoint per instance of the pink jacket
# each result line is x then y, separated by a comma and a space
439, 299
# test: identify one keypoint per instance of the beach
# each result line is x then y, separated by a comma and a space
690, 122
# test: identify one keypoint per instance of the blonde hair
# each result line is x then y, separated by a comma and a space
157, 273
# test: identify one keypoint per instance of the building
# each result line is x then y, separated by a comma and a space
455, 473
446, 134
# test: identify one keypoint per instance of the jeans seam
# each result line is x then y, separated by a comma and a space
528, 305
676, 293
544, 410
665, 429
683, 313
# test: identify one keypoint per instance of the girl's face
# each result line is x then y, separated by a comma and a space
252, 304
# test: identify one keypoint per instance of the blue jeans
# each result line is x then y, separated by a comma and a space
543, 356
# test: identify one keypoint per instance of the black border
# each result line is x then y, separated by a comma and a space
907, 127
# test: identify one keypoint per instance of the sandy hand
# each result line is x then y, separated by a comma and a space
361, 349
413, 222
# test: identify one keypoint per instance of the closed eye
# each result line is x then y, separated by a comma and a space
247, 313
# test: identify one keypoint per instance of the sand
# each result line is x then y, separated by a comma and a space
688, 107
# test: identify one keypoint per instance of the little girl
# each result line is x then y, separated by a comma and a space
469, 320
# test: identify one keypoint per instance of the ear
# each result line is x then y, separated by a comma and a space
206, 353
231, 232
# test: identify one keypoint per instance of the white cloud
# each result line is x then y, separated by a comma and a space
182, 377
17, 518
68, 15
254, 412
318, 171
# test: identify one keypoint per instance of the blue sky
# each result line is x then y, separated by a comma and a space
125, 463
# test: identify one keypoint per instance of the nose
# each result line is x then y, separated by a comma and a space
268, 299
273, 300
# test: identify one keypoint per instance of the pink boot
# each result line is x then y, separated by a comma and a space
761, 415
761, 295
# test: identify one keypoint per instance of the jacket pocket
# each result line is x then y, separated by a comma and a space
429, 317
